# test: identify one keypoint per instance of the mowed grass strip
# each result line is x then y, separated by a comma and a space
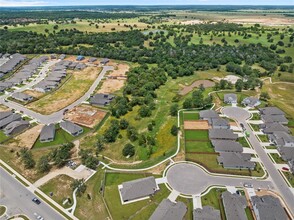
69, 92
190, 116
196, 135
199, 146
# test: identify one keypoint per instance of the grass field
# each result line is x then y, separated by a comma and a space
209, 161
243, 142
196, 135
191, 116
290, 178
3, 137
2, 210
198, 146
91, 208
213, 198
60, 186
255, 127
278, 159
255, 116
139, 210
263, 138
67, 93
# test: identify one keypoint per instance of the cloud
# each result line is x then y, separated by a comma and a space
11, 3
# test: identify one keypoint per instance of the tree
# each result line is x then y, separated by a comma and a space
99, 145
128, 150
174, 130
123, 124
239, 85
27, 158
174, 109
79, 185
264, 96
43, 165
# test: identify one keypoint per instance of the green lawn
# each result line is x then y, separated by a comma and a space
198, 146
255, 127
93, 207
191, 116
60, 186
278, 159
3, 137
243, 142
255, 116
213, 198
290, 177
196, 135
249, 214
61, 137
209, 161
139, 210
263, 138
2, 210
291, 122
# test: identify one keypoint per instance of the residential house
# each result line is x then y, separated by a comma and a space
80, 66
230, 98
104, 61
251, 102
206, 213
234, 206
291, 165
271, 111
168, 210
5, 114
47, 133
80, 57
273, 114
10, 64
268, 207
220, 123
137, 189
92, 59
101, 99
283, 139
62, 56
233, 160
208, 115
226, 146
287, 153
223, 134
5, 121
22, 97
16, 127
269, 128
71, 128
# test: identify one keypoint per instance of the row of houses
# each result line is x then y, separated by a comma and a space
224, 141
104, 61
12, 123
26, 72
278, 133
48, 131
11, 63
231, 98
101, 99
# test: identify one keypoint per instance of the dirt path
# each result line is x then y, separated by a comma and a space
205, 83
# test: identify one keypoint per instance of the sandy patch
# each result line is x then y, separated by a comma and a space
196, 125
195, 21
27, 138
205, 83
34, 93
116, 79
85, 115
230, 78
3, 108
269, 21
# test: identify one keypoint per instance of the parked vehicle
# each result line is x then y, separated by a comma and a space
36, 200
248, 185
285, 168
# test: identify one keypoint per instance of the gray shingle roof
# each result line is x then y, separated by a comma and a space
206, 213
235, 160
208, 114
138, 188
271, 111
22, 96
251, 101
14, 117
230, 98
234, 206
5, 114
101, 99
274, 118
225, 134
219, 122
270, 128
287, 153
269, 208
168, 210
12, 63
281, 138
71, 127
19, 125
92, 59
226, 146
47, 132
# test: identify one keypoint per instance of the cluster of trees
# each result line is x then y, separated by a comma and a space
197, 100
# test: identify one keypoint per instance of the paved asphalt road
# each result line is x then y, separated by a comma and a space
57, 116
190, 179
281, 186
18, 200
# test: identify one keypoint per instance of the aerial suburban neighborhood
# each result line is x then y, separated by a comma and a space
159, 112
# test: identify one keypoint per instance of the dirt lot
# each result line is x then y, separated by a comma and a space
231, 78
34, 93
196, 125
196, 21
186, 89
269, 21
85, 115
68, 92
116, 79
3, 108
27, 138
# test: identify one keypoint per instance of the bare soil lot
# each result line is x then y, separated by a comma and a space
269, 21
34, 93
116, 79
85, 115
27, 138
196, 125
186, 89
70, 91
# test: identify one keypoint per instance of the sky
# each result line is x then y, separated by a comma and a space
4, 3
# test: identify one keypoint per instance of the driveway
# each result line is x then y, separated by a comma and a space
57, 116
281, 186
18, 200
